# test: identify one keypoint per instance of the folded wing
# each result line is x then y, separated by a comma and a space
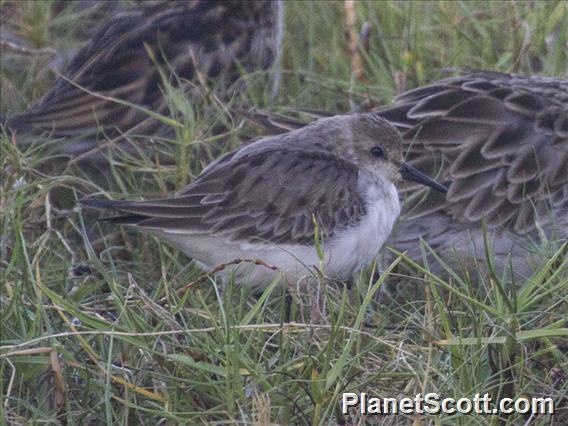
272, 196
129, 57
499, 141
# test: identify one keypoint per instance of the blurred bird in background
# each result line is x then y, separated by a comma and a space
114, 86
499, 142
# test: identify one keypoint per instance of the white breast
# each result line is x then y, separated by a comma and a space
357, 247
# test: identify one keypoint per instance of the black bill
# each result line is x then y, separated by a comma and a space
410, 173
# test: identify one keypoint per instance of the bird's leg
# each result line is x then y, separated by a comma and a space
288, 299
386, 291
286, 303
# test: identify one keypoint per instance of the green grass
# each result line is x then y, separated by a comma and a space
118, 328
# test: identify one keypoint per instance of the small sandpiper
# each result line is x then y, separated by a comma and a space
332, 181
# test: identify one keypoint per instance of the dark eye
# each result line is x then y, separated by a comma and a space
377, 152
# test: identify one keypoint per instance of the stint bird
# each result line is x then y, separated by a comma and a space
263, 201
186, 43
499, 142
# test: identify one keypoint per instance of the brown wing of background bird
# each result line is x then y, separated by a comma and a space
499, 141
210, 38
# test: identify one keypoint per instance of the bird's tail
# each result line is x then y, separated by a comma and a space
113, 205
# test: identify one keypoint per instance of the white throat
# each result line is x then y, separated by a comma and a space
355, 248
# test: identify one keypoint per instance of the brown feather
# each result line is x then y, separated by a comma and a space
127, 54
